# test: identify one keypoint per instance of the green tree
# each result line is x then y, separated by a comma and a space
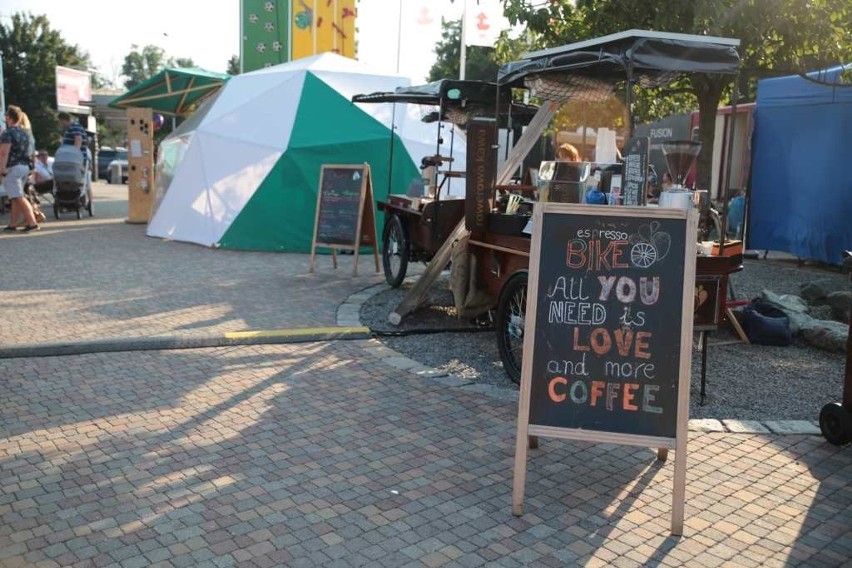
31, 51
233, 65
181, 62
479, 63
142, 64
779, 37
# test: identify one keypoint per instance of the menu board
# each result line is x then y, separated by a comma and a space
607, 342
340, 204
608, 326
344, 215
636, 157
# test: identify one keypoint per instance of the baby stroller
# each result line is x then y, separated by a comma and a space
70, 191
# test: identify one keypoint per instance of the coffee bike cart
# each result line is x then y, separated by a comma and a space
592, 70
418, 222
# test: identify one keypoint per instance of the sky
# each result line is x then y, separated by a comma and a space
207, 31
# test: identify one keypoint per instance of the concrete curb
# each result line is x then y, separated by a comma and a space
166, 342
348, 315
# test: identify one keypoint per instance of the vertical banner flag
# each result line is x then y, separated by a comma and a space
265, 33
320, 26
484, 21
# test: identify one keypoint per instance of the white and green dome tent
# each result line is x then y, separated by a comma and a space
242, 172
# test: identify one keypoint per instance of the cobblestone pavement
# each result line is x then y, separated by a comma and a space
321, 454
332, 453
100, 277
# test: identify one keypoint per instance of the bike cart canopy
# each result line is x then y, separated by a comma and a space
460, 100
591, 70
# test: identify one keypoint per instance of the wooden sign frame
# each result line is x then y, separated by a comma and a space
365, 225
527, 434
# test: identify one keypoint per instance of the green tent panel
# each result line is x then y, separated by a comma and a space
361, 138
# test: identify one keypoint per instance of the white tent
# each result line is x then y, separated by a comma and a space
243, 171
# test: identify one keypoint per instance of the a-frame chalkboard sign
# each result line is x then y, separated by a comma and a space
608, 332
345, 219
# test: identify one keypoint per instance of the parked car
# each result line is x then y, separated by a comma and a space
107, 154
117, 168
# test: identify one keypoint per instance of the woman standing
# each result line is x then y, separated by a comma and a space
15, 164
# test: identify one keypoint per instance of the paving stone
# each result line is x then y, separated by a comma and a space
793, 427
745, 427
706, 425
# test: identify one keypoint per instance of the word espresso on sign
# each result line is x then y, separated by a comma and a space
607, 332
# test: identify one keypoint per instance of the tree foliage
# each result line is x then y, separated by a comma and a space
233, 65
777, 37
143, 63
31, 51
479, 64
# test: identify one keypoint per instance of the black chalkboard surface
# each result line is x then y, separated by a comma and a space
607, 339
341, 189
636, 157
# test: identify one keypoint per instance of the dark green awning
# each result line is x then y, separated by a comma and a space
172, 91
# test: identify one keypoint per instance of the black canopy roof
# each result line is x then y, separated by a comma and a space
459, 99
590, 70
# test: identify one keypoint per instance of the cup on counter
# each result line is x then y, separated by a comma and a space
705, 248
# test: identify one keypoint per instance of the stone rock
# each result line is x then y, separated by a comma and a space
815, 292
841, 304
826, 334
821, 312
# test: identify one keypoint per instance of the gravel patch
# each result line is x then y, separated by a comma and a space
744, 382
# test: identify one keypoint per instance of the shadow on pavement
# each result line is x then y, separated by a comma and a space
318, 453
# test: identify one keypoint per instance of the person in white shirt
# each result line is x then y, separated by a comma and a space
43, 173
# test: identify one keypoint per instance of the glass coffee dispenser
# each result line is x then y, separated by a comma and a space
681, 156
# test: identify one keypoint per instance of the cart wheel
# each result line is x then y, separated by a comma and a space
511, 311
395, 249
56, 210
835, 422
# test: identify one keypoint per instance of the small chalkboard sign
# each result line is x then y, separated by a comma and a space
344, 216
636, 159
608, 332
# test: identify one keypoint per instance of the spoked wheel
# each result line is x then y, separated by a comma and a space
835, 422
395, 249
511, 313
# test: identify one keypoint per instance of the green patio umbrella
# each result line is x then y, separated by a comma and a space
172, 91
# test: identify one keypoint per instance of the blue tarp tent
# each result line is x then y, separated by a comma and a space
801, 194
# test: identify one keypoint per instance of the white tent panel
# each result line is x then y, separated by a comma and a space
180, 215
207, 194
277, 107
239, 89
351, 84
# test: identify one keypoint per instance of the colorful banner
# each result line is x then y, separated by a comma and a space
265, 28
319, 26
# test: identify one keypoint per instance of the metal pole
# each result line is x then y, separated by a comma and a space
728, 166
2, 87
463, 58
398, 38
